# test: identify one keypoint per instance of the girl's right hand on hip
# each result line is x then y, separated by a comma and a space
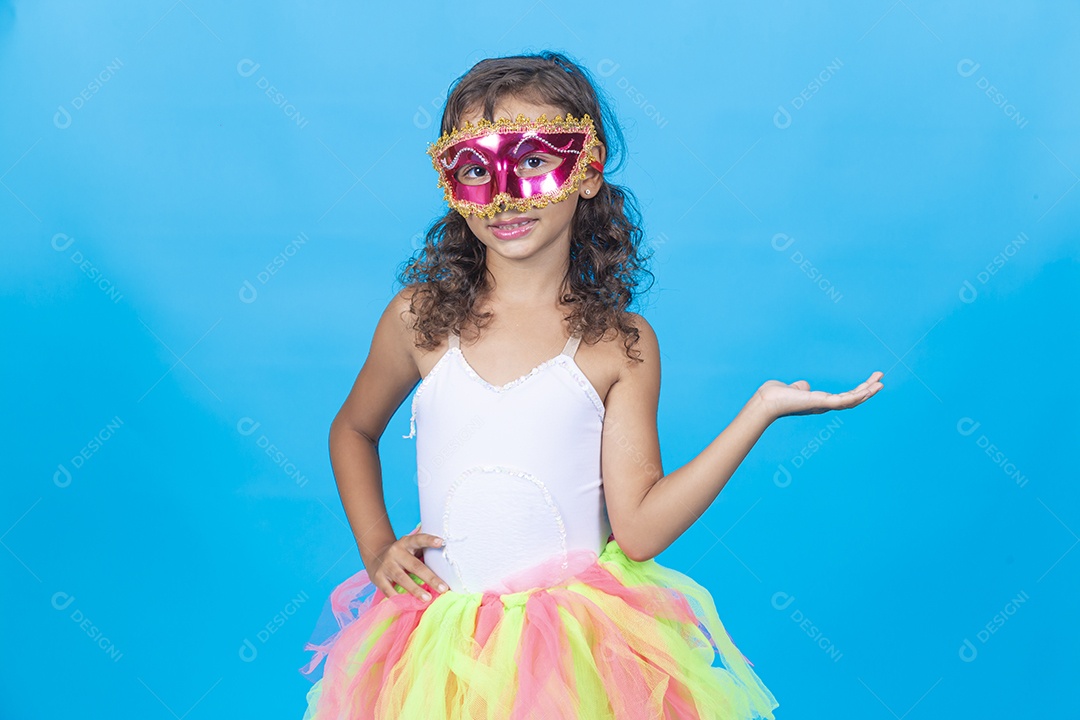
398, 568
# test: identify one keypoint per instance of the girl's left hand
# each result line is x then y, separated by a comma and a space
780, 399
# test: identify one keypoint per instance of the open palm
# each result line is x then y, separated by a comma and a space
783, 399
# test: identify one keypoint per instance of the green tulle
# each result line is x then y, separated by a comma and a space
622, 640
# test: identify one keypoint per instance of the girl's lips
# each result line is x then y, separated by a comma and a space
513, 230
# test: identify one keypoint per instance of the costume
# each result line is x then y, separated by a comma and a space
546, 618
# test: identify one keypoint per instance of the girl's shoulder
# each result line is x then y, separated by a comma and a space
627, 345
633, 331
401, 304
623, 353
401, 308
639, 323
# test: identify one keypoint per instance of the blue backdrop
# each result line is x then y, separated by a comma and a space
203, 208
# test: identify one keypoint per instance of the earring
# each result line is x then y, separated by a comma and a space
588, 191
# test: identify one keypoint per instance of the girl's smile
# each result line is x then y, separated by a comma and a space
512, 228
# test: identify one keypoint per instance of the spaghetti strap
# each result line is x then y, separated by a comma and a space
453, 340
571, 345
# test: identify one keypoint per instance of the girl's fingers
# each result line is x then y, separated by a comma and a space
861, 387
427, 540
409, 585
410, 572
867, 386
386, 585
819, 401
421, 570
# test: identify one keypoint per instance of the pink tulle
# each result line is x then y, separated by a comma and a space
356, 596
347, 603
373, 634
542, 670
365, 658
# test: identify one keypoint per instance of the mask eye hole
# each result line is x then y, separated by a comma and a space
472, 174
537, 163
468, 165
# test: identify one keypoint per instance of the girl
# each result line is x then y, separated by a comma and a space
531, 591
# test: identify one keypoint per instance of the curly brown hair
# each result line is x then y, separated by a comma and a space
448, 274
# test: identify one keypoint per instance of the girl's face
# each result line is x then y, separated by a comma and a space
515, 234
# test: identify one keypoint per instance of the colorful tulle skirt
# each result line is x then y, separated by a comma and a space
617, 640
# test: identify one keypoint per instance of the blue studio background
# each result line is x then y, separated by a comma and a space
203, 209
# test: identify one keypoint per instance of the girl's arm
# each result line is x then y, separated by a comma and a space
384, 381
649, 510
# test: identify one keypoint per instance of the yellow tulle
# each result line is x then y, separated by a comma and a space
621, 640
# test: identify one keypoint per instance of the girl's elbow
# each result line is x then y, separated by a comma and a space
632, 545
630, 552
638, 554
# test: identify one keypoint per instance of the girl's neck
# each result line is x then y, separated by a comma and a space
525, 285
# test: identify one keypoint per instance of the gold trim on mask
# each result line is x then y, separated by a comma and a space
519, 124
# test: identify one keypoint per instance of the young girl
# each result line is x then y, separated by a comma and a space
529, 588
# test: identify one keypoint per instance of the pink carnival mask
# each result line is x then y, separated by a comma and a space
513, 164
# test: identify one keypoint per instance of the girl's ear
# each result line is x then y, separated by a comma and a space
593, 179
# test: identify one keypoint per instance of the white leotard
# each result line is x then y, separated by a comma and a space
509, 475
